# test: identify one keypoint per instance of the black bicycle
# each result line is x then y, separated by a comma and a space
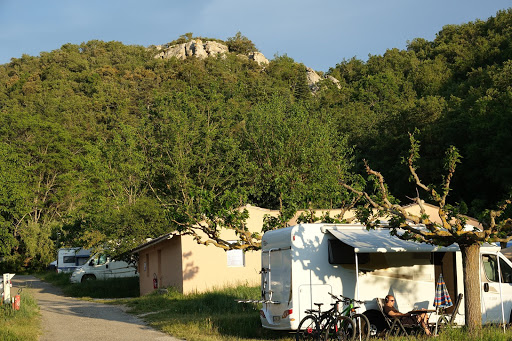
327, 325
361, 322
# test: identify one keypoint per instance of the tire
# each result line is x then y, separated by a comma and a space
377, 322
308, 329
362, 325
341, 329
86, 278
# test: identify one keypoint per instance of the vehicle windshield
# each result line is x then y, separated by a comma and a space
98, 259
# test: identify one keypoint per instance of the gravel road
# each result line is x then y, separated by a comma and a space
66, 318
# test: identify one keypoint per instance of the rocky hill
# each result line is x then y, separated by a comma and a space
199, 49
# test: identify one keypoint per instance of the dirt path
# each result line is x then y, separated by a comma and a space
66, 318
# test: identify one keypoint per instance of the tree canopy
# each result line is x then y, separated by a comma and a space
104, 146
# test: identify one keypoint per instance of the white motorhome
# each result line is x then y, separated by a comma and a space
101, 266
301, 264
68, 259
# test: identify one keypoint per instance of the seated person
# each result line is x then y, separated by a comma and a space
390, 310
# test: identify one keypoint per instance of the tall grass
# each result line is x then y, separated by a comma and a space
206, 316
23, 324
110, 288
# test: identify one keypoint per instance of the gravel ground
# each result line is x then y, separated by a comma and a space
67, 318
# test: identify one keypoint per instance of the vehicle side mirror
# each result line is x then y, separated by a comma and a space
91, 263
486, 287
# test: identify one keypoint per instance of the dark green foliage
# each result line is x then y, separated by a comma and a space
101, 144
240, 44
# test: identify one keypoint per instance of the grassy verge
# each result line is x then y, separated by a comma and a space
110, 288
23, 324
206, 316
487, 333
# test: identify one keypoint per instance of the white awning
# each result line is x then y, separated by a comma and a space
379, 240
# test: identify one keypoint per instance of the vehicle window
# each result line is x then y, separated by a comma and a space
68, 259
102, 259
506, 272
491, 269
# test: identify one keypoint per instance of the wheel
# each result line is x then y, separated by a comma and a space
341, 328
308, 329
377, 322
362, 325
86, 278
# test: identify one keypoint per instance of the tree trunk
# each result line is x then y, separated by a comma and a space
471, 270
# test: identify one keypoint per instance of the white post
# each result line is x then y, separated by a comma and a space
501, 292
357, 291
7, 287
357, 276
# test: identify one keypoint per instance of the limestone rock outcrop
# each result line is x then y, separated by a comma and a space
258, 57
199, 49
194, 48
313, 78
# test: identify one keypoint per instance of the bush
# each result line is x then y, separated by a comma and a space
240, 44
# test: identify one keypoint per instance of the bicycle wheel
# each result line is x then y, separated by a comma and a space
362, 325
308, 329
341, 328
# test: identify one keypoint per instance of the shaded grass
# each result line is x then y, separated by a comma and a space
206, 316
23, 324
109, 288
487, 333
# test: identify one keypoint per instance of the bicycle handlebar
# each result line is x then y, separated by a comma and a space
345, 299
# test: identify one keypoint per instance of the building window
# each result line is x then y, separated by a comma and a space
236, 258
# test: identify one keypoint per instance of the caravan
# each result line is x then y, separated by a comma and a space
68, 259
301, 264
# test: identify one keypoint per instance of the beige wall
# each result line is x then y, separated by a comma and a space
164, 260
206, 267
433, 213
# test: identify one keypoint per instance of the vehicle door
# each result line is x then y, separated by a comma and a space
99, 266
491, 298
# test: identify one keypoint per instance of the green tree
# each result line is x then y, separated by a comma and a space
240, 44
452, 228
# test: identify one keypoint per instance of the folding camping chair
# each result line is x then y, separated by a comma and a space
446, 319
394, 325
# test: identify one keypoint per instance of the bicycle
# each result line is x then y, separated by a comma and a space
315, 325
361, 324
309, 328
336, 325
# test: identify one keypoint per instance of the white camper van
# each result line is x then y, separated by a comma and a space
68, 259
301, 264
101, 266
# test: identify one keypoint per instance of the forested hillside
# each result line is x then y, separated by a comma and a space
103, 143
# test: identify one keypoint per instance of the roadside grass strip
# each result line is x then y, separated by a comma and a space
23, 324
206, 316
487, 333
109, 288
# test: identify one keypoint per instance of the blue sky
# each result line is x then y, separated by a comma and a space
318, 33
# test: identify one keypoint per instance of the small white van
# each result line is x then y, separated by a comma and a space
68, 259
101, 266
